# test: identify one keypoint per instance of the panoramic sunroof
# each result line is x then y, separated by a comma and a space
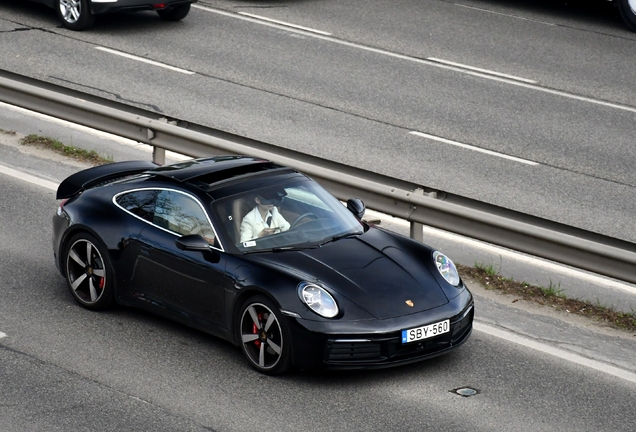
211, 180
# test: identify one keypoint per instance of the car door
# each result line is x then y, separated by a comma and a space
188, 286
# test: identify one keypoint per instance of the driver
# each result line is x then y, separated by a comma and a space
264, 219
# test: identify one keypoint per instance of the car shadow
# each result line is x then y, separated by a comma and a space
133, 23
197, 343
598, 13
30, 10
354, 378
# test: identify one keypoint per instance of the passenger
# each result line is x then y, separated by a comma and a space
264, 219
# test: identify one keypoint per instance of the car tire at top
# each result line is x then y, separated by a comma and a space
627, 9
74, 14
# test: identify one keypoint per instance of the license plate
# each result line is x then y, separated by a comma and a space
425, 332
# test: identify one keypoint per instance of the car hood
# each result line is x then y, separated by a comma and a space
379, 277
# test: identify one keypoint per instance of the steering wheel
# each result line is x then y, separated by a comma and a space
296, 222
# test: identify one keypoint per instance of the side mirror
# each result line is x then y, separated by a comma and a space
192, 242
356, 206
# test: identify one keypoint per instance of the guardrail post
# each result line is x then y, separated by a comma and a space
417, 228
417, 231
159, 155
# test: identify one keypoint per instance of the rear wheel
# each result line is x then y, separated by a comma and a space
175, 13
628, 12
264, 336
74, 14
89, 274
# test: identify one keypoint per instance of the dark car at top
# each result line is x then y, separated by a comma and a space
80, 14
331, 291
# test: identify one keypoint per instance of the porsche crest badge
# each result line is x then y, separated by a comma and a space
410, 303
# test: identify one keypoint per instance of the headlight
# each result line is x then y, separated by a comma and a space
318, 299
446, 268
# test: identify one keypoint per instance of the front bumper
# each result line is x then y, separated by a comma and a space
368, 349
390, 351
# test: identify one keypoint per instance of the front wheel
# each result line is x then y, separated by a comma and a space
627, 9
88, 272
175, 13
264, 336
74, 14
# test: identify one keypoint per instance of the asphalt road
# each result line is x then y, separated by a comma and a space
546, 90
353, 96
65, 368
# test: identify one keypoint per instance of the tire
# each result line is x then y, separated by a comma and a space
89, 273
264, 336
74, 14
627, 9
175, 13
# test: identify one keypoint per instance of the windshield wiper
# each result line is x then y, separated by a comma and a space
293, 248
341, 236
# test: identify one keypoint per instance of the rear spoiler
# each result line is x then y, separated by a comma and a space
84, 179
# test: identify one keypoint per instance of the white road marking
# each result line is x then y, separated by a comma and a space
518, 256
470, 147
71, 125
139, 400
557, 352
503, 14
2, 335
534, 261
28, 178
286, 24
144, 60
486, 71
465, 71
147, 148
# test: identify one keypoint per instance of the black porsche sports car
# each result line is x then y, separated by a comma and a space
261, 255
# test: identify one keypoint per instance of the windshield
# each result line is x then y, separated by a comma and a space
297, 214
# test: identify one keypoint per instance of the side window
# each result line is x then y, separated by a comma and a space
181, 214
139, 203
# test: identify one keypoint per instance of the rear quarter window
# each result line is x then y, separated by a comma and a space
139, 203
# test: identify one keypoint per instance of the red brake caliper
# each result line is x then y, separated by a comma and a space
101, 283
255, 329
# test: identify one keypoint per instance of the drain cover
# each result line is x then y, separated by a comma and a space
465, 391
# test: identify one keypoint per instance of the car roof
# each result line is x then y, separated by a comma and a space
216, 172
197, 168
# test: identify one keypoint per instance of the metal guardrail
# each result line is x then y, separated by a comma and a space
419, 205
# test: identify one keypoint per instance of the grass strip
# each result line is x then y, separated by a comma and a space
90, 156
551, 295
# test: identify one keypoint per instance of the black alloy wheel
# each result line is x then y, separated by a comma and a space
174, 13
74, 14
264, 336
627, 9
88, 272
